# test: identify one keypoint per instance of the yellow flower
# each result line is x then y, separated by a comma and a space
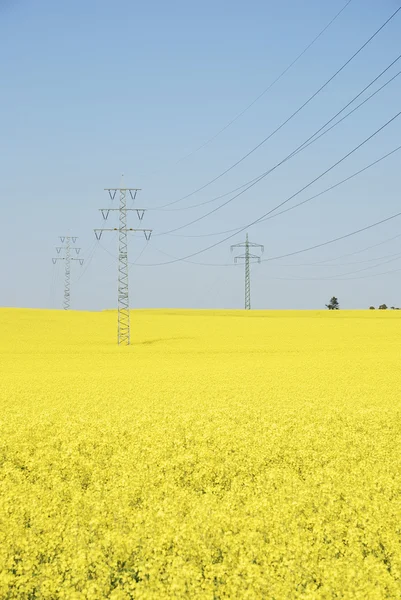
223, 455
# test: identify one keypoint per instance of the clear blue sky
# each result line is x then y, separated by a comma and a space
91, 90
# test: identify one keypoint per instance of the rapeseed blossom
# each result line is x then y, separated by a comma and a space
223, 455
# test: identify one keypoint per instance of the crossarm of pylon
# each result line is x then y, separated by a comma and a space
139, 211
254, 258
249, 245
249, 256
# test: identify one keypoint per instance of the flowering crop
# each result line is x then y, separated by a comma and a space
225, 454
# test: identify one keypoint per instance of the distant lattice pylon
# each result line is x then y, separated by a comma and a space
67, 258
247, 257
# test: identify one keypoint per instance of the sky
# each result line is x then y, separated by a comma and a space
93, 90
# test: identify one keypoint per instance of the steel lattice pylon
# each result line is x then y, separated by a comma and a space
67, 266
67, 274
123, 326
247, 277
123, 288
247, 257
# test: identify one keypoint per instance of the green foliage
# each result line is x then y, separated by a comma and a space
333, 304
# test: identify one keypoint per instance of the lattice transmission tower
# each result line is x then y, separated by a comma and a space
123, 325
247, 257
67, 258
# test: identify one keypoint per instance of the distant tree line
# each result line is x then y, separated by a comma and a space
335, 305
384, 307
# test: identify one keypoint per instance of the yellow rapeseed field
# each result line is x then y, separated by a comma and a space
223, 455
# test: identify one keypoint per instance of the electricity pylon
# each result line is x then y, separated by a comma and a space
247, 256
123, 329
67, 265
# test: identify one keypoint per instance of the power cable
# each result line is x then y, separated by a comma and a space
359, 251
377, 223
343, 237
339, 277
311, 140
358, 270
140, 254
91, 254
332, 187
53, 284
330, 278
291, 116
372, 275
359, 262
259, 219
107, 250
314, 264
267, 89
268, 172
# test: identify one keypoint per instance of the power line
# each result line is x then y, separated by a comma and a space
296, 252
372, 275
91, 253
334, 277
377, 223
324, 264
361, 250
219, 281
331, 279
259, 219
330, 188
145, 247
53, 284
292, 115
300, 148
268, 88
340, 277
343, 237
311, 140
319, 263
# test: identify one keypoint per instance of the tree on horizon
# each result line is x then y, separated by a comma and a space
333, 304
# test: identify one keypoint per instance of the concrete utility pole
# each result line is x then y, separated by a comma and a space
247, 256
123, 330
67, 265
